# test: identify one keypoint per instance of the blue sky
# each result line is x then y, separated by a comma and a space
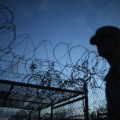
70, 21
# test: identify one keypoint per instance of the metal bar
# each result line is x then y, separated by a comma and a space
69, 102
51, 111
38, 86
39, 114
62, 101
86, 101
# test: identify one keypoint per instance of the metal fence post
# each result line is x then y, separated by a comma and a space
86, 101
39, 114
51, 111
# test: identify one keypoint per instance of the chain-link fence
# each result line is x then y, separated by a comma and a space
73, 110
29, 101
97, 104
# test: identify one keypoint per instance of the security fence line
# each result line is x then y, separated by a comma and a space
10, 100
27, 79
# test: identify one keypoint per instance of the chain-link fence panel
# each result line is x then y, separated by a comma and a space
97, 103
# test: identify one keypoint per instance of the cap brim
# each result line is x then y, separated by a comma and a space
93, 40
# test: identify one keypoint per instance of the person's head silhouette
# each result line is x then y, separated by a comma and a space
107, 40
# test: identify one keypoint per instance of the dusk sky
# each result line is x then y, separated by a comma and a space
69, 21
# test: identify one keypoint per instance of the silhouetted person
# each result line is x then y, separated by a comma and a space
107, 40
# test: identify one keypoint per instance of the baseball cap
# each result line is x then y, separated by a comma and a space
105, 31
